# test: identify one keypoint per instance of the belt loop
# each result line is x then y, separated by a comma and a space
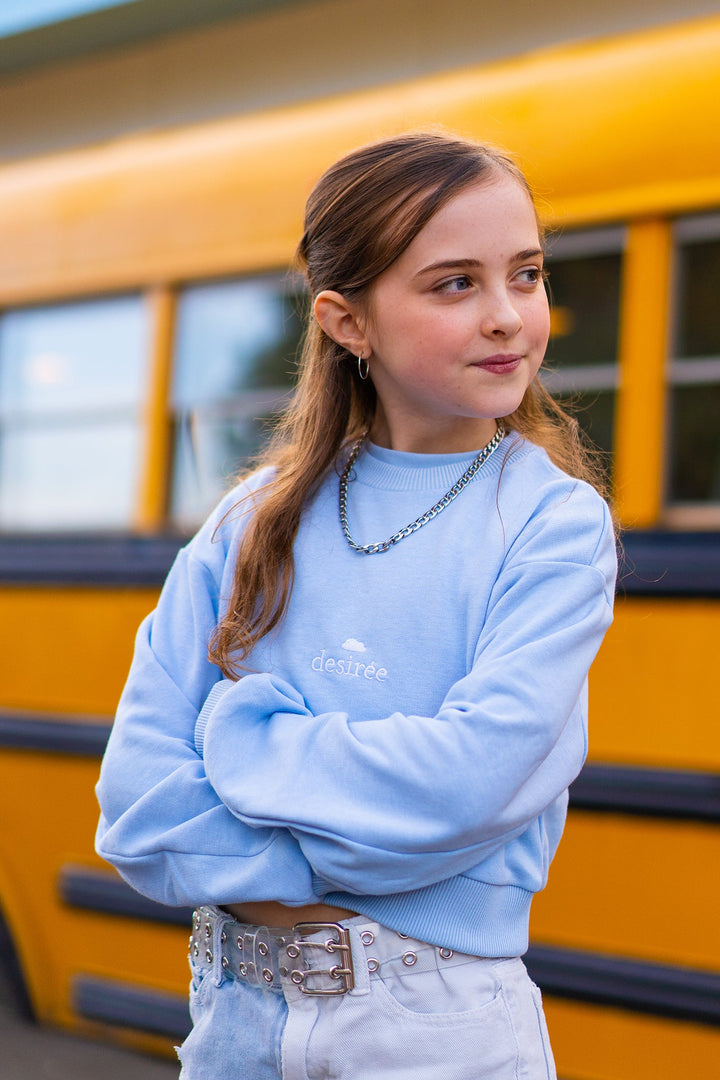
360, 963
218, 973
249, 953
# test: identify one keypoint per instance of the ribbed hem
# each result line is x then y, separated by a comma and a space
210, 702
395, 470
462, 914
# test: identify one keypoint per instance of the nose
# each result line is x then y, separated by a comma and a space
500, 317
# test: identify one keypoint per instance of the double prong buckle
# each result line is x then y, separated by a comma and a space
341, 973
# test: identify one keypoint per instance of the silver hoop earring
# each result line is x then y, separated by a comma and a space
363, 372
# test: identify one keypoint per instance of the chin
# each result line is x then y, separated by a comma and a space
503, 406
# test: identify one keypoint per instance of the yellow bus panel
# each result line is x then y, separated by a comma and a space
82, 646
592, 1043
655, 697
646, 888
108, 218
654, 651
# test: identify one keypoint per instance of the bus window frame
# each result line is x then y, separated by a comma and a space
182, 421
678, 513
137, 411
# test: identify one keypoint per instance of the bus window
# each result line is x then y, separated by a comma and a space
694, 474
581, 367
72, 380
235, 352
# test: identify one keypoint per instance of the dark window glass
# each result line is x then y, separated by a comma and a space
695, 470
594, 411
237, 343
585, 294
698, 315
581, 364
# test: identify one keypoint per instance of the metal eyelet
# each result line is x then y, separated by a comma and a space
242, 970
293, 951
263, 949
373, 964
367, 937
446, 953
297, 977
404, 936
208, 930
223, 937
267, 975
208, 955
240, 944
409, 958
225, 963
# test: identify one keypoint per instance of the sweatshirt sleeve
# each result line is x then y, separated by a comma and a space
162, 824
402, 801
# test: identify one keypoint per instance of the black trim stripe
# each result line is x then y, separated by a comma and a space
673, 564
678, 993
669, 793
653, 563
117, 1003
87, 560
30, 731
651, 989
599, 979
107, 893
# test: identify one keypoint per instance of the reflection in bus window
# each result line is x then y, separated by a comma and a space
234, 368
581, 367
72, 379
695, 371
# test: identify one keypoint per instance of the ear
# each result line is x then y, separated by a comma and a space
341, 320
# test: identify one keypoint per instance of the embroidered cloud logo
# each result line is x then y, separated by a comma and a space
353, 645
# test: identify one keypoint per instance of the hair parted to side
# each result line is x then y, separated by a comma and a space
360, 217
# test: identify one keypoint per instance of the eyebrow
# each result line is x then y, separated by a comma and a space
475, 264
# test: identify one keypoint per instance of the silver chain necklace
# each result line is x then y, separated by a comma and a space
373, 549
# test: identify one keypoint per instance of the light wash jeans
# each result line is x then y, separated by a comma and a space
416, 1013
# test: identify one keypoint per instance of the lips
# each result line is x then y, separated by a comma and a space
500, 364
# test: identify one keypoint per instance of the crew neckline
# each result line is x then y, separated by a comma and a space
401, 470
418, 461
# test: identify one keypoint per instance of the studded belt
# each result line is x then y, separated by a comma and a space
315, 957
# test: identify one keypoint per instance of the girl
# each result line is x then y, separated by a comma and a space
351, 723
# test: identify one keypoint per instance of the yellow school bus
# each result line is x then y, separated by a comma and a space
148, 327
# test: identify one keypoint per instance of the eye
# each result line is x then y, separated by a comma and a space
458, 284
530, 275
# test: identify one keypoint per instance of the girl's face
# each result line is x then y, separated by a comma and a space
457, 327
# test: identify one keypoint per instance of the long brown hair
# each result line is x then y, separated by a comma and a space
360, 217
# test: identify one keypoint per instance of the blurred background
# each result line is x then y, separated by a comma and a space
155, 156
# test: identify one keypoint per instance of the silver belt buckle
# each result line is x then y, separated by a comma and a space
342, 973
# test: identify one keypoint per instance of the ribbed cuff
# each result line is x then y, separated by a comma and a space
210, 702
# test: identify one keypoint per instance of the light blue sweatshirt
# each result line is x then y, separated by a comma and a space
404, 745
